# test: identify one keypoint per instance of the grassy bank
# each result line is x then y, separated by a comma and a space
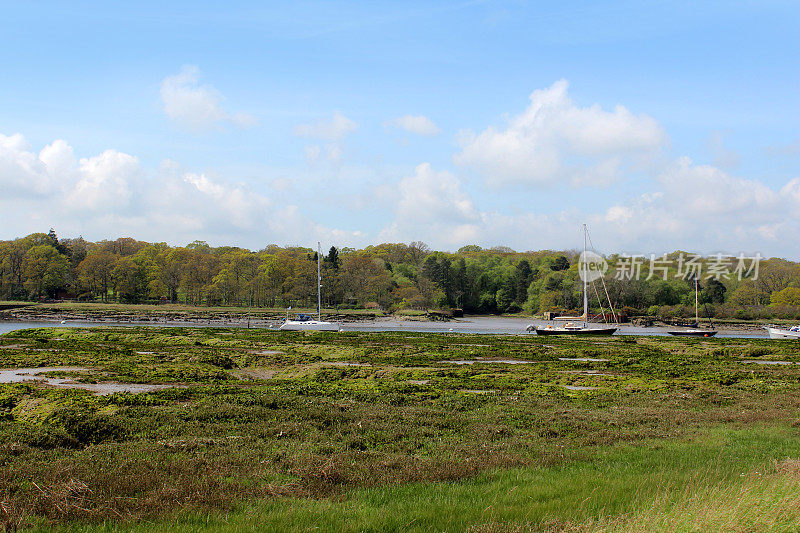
127, 312
726, 481
396, 431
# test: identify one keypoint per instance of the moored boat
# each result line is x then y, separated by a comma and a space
575, 329
305, 322
782, 333
693, 330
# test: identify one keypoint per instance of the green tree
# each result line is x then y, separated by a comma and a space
169, 270
235, 280
130, 280
787, 296
333, 258
96, 271
746, 294
523, 275
366, 280
46, 270
713, 292
560, 263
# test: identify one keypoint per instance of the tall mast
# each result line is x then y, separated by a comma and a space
319, 283
585, 277
696, 315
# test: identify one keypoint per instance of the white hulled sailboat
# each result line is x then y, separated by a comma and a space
305, 322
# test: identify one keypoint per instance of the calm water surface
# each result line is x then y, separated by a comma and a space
478, 324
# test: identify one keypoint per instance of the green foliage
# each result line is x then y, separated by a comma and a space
389, 276
713, 292
88, 428
259, 417
560, 263
787, 296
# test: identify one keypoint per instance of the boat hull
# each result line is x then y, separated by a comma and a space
692, 333
308, 325
576, 331
779, 333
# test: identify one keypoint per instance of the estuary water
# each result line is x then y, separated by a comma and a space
472, 324
22, 375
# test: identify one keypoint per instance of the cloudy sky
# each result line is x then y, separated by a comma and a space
663, 125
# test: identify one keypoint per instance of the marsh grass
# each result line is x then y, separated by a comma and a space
721, 483
282, 428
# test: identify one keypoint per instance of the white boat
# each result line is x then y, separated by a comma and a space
571, 328
781, 333
305, 322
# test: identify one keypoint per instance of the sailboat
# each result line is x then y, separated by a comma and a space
305, 322
571, 328
693, 331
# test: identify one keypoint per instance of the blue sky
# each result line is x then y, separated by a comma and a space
663, 125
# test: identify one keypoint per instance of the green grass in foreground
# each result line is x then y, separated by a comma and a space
269, 430
728, 481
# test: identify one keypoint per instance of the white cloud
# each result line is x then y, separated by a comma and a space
103, 182
182, 200
554, 141
707, 208
418, 124
96, 183
22, 172
291, 226
329, 130
429, 196
684, 206
433, 202
704, 192
194, 106
58, 158
109, 195
791, 192
693, 207
333, 131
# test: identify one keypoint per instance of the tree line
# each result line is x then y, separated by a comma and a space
389, 276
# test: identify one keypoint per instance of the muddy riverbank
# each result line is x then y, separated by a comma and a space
154, 315
177, 316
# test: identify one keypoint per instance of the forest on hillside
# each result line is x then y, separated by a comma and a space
392, 277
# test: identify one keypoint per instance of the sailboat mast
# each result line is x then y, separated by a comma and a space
319, 282
696, 314
585, 277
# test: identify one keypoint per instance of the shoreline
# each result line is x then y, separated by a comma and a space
468, 325
177, 315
